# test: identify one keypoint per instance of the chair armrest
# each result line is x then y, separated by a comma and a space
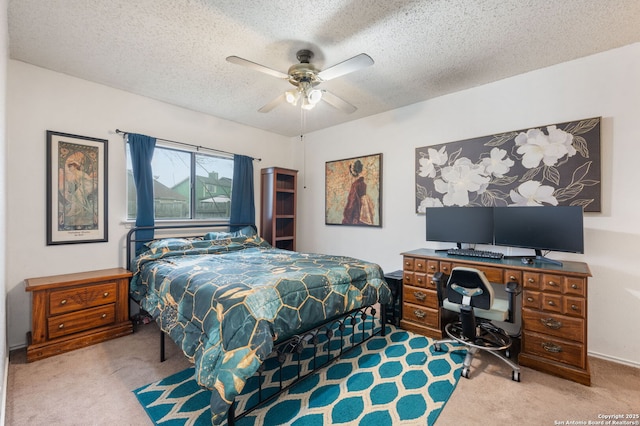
440, 279
513, 288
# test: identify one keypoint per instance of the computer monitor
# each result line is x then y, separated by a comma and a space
472, 225
542, 228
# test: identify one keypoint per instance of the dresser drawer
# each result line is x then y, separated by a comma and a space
575, 286
418, 264
421, 315
494, 275
551, 302
574, 306
73, 299
531, 299
555, 349
417, 279
62, 325
420, 296
531, 280
554, 325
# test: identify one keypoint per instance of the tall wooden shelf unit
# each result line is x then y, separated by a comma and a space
278, 212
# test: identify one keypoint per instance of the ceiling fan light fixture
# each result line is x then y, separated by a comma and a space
314, 96
306, 104
292, 96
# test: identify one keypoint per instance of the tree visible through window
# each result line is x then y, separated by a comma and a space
186, 185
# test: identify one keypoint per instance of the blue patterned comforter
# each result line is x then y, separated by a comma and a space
225, 302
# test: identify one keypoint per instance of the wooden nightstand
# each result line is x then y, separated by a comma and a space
75, 310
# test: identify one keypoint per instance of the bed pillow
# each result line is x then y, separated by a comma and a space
247, 231
172, 243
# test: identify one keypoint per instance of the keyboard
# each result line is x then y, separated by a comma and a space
475, 253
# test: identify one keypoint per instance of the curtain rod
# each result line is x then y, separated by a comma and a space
198, 147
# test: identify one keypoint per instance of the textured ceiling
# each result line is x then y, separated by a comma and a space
175, 50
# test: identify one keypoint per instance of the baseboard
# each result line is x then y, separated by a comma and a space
5, 382
614, 359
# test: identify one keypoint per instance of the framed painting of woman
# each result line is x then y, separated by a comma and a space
353, 191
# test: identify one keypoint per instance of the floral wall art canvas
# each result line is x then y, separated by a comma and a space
556, 164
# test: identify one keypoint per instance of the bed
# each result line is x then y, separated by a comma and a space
230, 301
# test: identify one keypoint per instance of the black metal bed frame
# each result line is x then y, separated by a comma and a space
328, 341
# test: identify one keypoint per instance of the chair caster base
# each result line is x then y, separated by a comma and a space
465, 372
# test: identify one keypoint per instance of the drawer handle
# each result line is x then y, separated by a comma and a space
63, 302
574, 286
407, 263
419, 314
551, 303
61, 326
512, 278
105, 294
529, 299
432, 267
445, 268
531, 280
419, 280
574, 307
419, 295
553, 284
419, 265
104, 315
550, 347
551, 323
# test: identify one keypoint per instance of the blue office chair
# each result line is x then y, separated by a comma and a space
468, 292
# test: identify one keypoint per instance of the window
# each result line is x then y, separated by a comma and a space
186, 185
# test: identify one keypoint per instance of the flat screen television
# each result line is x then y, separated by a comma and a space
471, 225
541, 228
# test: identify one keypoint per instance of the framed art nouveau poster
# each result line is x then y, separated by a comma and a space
353, 191
76, 189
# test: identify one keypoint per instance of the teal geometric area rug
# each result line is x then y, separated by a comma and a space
396, 379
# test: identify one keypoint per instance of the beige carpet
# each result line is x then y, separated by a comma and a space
92, 386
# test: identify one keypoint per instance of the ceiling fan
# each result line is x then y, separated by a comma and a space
305, 77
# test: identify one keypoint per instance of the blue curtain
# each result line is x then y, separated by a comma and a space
142, 147
243, 210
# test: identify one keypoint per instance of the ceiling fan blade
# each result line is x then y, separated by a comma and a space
337, 102
274, 103
345, 67
240, 61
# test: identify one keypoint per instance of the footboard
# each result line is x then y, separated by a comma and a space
299, 356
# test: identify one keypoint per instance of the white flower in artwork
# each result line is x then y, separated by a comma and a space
496, 164
533, 193
535, 146
428, 163
460, 179
429, 202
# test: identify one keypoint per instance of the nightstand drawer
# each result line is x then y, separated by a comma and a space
555, 349
73, 299
75, 322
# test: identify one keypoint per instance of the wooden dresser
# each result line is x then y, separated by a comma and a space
75, 310
554, 306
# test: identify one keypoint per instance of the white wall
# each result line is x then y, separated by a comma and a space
3, 184
39, 100
605, 85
